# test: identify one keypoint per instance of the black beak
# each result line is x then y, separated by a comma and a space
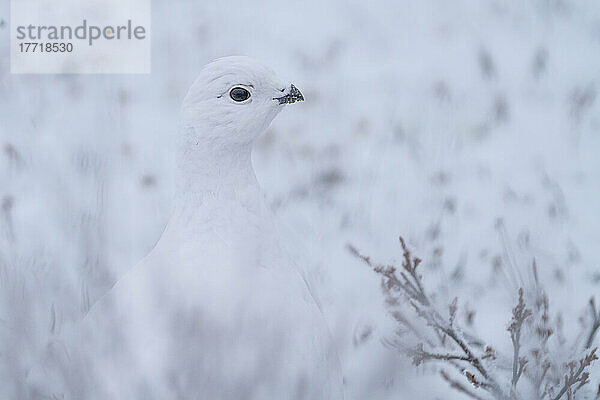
293, 96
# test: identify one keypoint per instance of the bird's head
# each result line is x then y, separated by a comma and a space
233, 100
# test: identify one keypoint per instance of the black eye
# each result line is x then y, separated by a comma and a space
239, 94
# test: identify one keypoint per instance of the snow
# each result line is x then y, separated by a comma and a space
433, 120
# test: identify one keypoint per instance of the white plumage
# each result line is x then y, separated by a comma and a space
216, 310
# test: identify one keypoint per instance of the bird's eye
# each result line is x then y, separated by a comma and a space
239, 94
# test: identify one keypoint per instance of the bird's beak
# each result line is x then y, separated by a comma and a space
293, 96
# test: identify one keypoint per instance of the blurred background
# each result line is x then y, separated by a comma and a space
469, 127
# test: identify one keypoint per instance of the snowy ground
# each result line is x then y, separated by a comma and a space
471, 128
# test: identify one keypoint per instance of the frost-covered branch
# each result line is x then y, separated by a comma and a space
472, 357
454, 384
410, 284
419, 355
577, 376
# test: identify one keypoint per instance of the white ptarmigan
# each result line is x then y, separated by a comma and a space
216, 311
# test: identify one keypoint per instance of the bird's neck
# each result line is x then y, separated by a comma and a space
211, 171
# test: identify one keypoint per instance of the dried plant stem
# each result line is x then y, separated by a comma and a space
595, 324
577, 376
520, 314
